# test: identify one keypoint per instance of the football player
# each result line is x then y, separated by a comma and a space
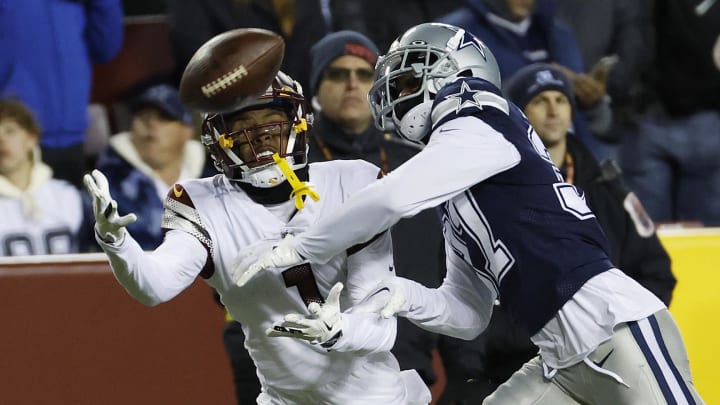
514, 231
263, 194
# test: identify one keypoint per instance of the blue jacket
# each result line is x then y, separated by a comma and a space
48, 48
511, 49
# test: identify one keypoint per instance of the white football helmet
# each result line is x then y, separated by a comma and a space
423, 60
223, 144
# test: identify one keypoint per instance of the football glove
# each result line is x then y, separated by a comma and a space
109, 226
250, 255
282, 255
387, 299
323, 326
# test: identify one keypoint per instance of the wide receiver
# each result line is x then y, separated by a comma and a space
514, 231
228, 220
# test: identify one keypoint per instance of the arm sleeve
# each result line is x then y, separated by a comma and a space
461, 153
156, 277
365, 332
461, 307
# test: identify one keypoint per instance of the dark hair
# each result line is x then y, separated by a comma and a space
20, 113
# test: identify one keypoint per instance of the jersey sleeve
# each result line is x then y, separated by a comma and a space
180, 214
460, 154
158, 276
367, 332
461, 307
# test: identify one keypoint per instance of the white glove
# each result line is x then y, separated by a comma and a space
250, 255
386, 299
282, 255
109, 226
323, 326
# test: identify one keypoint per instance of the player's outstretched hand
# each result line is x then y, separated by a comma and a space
109, 225
323, 326
282, 255
249, 255
386, 299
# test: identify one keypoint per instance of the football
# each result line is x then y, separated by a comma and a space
230, 67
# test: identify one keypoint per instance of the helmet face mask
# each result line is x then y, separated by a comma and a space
416, 67
243, 152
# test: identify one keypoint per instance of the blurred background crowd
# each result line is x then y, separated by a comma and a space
94, 83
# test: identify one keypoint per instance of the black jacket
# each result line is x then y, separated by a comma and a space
504, 347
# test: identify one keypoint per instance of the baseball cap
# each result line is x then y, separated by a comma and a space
164, 97
335, 45
533, 79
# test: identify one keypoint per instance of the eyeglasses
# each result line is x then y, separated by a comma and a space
338, 74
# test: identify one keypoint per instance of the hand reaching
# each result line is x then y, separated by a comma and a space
108, 224
282, 255
323, 326
386, 299
250, 255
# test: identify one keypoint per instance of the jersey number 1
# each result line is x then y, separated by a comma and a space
302, 277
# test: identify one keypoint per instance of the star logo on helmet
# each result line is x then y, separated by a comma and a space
466, 97
470, 40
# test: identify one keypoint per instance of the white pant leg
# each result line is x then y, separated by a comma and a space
378, 380
529, 386
650, 357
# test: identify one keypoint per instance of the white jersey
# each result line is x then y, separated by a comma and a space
44, 219
232, 227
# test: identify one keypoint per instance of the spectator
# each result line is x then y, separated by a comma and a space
614, 36
619, 29
384, 21
671, 161
142, 164
342, 72
38, 214
49, 68
523, 32
300, 22
546, 97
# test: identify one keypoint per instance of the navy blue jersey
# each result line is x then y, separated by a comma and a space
524, 230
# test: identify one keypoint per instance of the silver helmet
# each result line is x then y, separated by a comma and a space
418, 64
224, 144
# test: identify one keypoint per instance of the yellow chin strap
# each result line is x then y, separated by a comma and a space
300, 188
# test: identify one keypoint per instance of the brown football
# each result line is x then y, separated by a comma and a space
230, 67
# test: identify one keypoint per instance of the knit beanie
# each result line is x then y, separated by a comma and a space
533, 79
335, 45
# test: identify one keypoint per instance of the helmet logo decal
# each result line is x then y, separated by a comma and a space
469, 40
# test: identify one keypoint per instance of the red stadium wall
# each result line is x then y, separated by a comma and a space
70, 334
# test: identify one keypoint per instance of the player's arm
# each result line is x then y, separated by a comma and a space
460, 307
364, 330
358, 329
460, 153
149, 277
158, 276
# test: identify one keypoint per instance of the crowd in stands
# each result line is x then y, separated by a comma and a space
631, 88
